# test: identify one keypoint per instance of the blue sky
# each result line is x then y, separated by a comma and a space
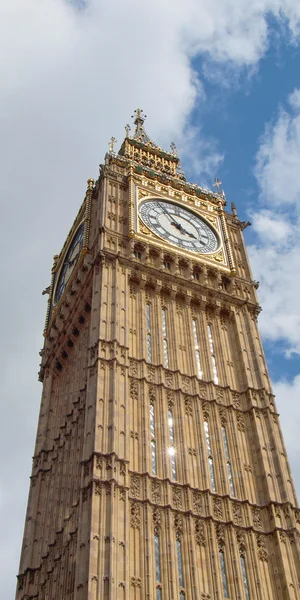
235, 117
219, 77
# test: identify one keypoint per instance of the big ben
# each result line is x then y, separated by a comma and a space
159, 470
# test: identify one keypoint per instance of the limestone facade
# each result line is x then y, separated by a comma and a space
156, 477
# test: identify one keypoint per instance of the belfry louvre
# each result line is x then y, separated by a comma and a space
159, 471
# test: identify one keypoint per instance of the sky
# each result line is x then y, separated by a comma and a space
221, 78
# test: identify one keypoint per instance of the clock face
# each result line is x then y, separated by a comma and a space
69, 263
179, 226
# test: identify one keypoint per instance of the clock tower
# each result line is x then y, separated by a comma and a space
159, 471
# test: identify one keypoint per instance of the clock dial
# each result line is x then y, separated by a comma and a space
69, 263
179, 226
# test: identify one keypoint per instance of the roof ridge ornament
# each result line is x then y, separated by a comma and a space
217, 185
173, 149
111, 144
220, 194
140, 133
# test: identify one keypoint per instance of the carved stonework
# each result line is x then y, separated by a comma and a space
185, 384
136, 582
237, 514
200, 533
240, 537
188, 406
177, 497
135, 486
262, 551
282, 537
223, 416
122, 468
218, 511
205, 409
156, 520
156, 492
220, 534
178, 522
152, 394
257, 522
291, 537
169, 380
197, 503
98, 488
135, 518
220, 394
133, 365
240, 422
192, 451
202, 390
134, 390
151, 373
170, 398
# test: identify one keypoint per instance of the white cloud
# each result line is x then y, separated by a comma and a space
275, 257
69, 80
274, 228
288, 405
294, 99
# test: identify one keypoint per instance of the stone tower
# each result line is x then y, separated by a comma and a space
159, 471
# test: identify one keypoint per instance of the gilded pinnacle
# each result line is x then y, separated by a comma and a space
217, 185
138, 116
90, 183
111, 144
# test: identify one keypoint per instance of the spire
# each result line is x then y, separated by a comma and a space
140, 134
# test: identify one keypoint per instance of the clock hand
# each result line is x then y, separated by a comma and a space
169, 216
179, 226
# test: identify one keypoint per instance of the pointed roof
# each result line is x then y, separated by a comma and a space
140, 133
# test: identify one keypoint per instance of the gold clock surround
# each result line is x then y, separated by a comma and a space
139, 192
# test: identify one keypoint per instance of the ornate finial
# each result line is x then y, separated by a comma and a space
173, 149
90, 183
138, 116
233, 209
217, 185
111, 144
140, 134
127, 129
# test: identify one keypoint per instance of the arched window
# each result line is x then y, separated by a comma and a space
224, 574
209, 457
245, 578
212, 354
157, 567
197, 350
148, 328
228, 463
171, 449
152, 439
165, 337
